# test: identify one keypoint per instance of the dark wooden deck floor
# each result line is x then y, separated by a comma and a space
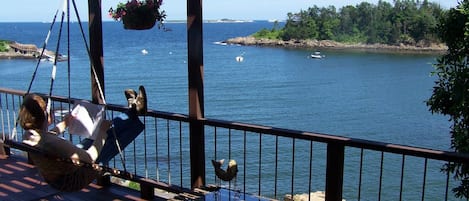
21, 181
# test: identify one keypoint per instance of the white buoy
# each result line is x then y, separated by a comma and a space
144, 52
240, 58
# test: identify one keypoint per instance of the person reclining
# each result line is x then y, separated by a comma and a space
100, 147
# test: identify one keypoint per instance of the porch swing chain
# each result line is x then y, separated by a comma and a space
95, 76
53, 74
121, 155
44, 45
54, 66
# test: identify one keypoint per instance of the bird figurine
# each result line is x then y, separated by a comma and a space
230, 172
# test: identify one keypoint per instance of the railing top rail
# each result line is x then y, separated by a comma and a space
346, 141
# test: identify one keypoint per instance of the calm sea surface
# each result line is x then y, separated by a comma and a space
372, 96
356, 94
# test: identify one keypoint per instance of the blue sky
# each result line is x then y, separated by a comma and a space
43, 10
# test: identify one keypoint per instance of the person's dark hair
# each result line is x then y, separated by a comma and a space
31, 115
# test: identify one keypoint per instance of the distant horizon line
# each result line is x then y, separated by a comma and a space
223, 20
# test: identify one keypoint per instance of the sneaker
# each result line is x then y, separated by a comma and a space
131, 96
141, 101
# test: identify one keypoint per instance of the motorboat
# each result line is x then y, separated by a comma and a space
317, 55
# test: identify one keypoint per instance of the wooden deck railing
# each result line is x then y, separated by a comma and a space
272, 162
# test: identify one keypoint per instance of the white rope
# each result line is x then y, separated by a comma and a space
52, 76
56, 55
101, 93
64, 6
43, 50
3, 122
13, 131
54, 71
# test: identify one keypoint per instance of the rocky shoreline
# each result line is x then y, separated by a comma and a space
17, 50
328, 44
15, 55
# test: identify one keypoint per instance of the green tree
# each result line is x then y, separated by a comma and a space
348, 30
382, 23
299, 26
348, 24
408, 22
328, 23
404, 12
451, 92
423, 23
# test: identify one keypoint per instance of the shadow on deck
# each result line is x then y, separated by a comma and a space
21, 181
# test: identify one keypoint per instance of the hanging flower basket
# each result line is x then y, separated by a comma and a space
139, 15
140, 19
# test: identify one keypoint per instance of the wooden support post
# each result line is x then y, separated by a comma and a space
96, 49
334, 172
103, 180
147, 192
30, 160
95, 28
196, 92
3, 149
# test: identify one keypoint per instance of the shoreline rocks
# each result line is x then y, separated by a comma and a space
333, 45
15, 55
29, 51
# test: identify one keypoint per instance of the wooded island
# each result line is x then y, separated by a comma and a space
407, 25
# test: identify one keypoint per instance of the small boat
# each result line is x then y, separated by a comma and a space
313, 56
317, 55
240, 58
51, 59
144, 52
50, 56
220, 43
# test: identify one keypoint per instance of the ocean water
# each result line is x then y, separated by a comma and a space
367, 95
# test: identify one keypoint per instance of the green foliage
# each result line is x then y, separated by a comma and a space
407, 21
4, 45
274, 33
134, 185
451, 92
269, 34
300, 26
352, 39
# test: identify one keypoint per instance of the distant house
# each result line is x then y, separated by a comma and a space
25, 49
31, 51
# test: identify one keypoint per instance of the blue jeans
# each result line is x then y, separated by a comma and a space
125, 129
